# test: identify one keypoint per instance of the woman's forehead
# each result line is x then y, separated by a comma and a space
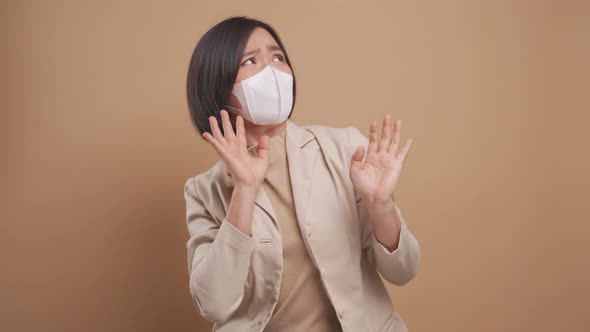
260, 38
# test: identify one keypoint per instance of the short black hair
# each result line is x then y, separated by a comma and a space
214, 67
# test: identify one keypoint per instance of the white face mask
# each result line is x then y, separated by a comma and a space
266, 97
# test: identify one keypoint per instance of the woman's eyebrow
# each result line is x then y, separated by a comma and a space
268, 47
251, 52
273, 48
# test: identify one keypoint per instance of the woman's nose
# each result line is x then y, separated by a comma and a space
268, 60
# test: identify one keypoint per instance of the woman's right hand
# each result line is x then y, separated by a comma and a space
247, 171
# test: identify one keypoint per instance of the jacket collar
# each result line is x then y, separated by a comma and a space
298, 135
301, 155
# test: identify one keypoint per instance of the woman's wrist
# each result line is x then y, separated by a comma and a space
241, 208
247, 192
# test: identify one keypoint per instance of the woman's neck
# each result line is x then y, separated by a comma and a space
254, 132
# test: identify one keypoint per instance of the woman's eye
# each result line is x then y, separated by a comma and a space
248, 60
280, 57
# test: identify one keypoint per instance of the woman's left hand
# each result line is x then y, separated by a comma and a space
377, 179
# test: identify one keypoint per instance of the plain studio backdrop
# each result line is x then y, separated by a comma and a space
97, 143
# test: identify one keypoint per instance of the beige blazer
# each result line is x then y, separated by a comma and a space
235, 278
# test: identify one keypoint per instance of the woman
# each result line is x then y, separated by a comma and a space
291, 227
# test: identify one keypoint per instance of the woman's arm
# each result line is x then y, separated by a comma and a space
219, 255
400, 265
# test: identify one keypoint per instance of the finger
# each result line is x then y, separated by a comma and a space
263, 147
241, 130
397, 127
215, 130
216, 145
228, 130
405, 149
357, 157
373, 137
385, 134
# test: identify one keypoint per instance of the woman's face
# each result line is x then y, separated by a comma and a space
260, 51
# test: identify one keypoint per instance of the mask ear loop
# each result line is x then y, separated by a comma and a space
232, 109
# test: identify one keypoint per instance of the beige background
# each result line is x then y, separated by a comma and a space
97, 143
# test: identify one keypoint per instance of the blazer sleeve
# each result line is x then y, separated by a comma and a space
218, 259
401, 265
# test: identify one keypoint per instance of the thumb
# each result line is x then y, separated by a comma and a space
357, 157
263, 147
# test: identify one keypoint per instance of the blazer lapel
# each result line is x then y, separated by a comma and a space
302, 150
301, 154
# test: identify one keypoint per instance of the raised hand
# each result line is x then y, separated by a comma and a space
247, 171
377, 179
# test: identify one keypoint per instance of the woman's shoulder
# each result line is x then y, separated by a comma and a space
210, 178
